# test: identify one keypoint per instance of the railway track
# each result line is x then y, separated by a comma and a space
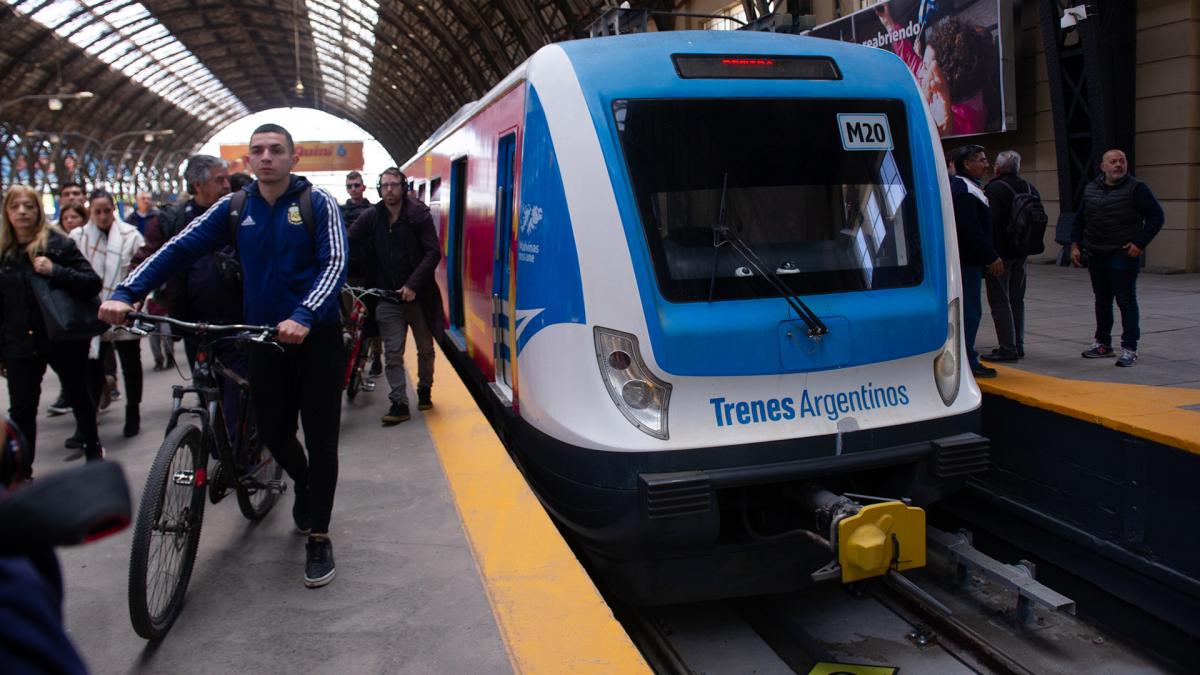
938, 625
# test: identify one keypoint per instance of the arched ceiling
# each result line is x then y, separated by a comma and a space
396, 68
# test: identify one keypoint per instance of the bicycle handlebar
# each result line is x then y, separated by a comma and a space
360, 291
201, 328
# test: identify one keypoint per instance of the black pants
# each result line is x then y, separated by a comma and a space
303, 380
1114, 277
130, 353
69, 360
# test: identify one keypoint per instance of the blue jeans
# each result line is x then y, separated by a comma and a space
1114, 276
972, 284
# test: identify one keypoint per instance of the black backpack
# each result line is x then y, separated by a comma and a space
229, 266
1026, 221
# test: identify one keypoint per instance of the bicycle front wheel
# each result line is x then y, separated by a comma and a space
256, 493
167, 533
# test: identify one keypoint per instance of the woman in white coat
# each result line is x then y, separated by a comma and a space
109, 245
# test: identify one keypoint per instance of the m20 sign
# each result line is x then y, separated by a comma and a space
864, 132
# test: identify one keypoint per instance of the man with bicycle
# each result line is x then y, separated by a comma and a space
293, 271
402, 253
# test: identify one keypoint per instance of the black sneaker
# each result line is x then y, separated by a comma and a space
318, 563
376, 368
300, 513
424, 402
75, 442
396, 414
1098, 350
1000, 356
982, 371
59, 407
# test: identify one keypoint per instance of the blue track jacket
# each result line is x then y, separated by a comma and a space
288, 273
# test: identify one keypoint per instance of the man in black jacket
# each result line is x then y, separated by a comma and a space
403, 252
1006, 291
976, 253
1116, 221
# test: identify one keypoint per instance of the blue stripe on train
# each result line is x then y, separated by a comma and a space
549, 289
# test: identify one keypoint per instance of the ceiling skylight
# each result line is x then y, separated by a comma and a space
344, 37
127, 37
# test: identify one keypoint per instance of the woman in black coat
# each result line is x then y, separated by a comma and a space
29, 247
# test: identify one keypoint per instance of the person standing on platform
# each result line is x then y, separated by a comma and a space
207, 180
71, 217
145, 213
30, 247
1006, 291
70, 195
69, 192
357, 203
1117, 220
291, 243
402, 253
109, 246
351, 210
975, 251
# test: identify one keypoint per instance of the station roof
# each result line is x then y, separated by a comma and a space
396, 68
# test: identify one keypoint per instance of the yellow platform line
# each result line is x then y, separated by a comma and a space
551, 617
1154, 413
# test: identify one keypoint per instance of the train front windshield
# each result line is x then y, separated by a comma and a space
821, 190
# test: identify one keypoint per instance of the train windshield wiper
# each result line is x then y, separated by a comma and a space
722, 234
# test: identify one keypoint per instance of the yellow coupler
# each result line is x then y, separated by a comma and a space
881, 537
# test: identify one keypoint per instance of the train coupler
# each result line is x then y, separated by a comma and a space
880, 538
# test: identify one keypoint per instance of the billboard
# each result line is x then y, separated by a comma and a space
960, 52
314, 156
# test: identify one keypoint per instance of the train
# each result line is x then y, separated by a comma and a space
707, 285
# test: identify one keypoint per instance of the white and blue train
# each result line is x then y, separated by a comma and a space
710, 281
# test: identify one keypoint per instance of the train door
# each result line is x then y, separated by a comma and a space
454, 250
502, 302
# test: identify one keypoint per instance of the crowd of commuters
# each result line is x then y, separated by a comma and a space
176, 260
1116, 221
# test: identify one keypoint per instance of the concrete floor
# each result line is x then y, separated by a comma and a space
1061, 323
407, 597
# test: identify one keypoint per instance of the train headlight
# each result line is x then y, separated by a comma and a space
947, 371
640, 396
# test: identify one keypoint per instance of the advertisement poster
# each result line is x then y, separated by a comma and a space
956, 50
314, 156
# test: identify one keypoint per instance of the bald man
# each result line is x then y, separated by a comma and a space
1117, 220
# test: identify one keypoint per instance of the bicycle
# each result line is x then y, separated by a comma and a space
166, 532
353, 336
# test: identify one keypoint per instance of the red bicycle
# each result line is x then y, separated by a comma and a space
354, 338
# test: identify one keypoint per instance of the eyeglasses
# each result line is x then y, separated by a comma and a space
351, 186
391, 186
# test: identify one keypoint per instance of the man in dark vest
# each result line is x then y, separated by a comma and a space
402, 252
1118, 218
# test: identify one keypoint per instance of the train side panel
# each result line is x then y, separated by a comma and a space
477, 140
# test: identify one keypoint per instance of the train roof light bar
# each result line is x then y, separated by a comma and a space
127, 37
754, 67
344, 37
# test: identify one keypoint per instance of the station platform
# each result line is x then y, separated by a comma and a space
1094, 467
1158, 399
446, 562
